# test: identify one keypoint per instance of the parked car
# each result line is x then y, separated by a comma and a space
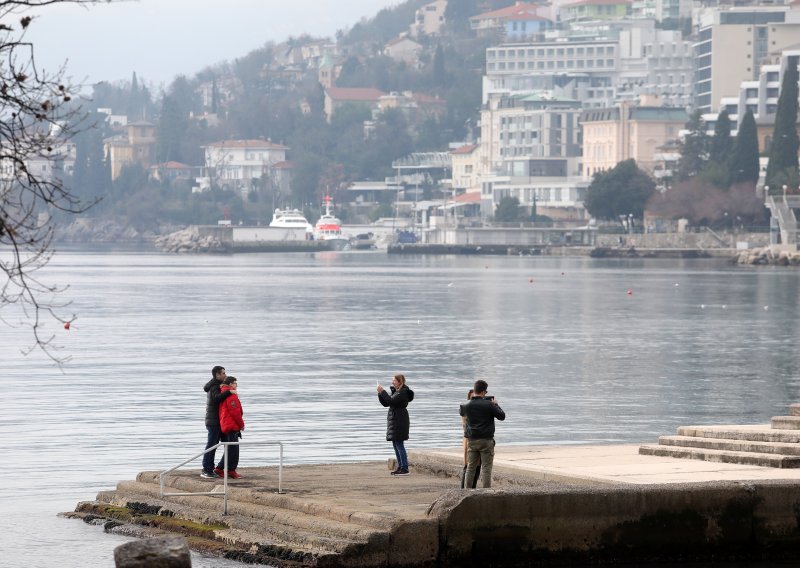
406, 238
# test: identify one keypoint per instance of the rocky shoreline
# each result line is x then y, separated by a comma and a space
189, 240
768, 256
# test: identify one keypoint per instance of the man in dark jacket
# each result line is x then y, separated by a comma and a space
215, 396
480, 413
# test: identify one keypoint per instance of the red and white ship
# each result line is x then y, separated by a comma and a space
329, 228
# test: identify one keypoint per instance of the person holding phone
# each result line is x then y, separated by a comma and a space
466, 442
398, 422
480, 413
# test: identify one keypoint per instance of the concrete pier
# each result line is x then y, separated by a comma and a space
549, 505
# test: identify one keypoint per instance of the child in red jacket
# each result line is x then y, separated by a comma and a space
231, 424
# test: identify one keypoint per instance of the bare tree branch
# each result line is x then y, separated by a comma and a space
37, 120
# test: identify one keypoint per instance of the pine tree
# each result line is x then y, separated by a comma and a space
783, 153
743, 163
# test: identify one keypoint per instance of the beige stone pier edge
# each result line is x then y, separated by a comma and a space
549, 505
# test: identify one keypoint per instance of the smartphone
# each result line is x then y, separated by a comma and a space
489, 398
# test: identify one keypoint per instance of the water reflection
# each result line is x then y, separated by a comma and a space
573, 357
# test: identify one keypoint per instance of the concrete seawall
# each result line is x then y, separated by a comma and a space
549, 505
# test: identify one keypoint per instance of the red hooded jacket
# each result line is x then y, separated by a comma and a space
230, 413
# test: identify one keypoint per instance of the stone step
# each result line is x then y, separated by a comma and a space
788, 449
794, 409
785, 422
722, 456
757, 433
271, 528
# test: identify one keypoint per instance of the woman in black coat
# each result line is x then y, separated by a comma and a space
397, 421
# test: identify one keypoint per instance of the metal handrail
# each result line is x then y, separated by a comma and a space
224, 492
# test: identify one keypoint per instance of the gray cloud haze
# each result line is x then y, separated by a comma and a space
159, 39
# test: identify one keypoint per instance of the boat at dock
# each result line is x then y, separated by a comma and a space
290, 219
329, 228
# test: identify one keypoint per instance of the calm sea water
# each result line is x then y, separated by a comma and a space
577, 350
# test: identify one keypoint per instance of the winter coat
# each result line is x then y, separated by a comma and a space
397, 421
215, 396
480, 414
230, 413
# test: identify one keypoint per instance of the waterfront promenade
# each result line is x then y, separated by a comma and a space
548, 505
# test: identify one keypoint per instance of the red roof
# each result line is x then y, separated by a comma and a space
470, 197
255, 144
598, 3
354, 93
175, 166
465, 149
284, 165
518, 9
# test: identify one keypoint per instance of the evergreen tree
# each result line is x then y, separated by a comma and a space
621, 191
133, 110
214, 97
172, 126
439, 74
721, 143
508, 210
743, 162
694, 149
783, 153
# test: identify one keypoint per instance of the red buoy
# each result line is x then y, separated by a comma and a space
66, 325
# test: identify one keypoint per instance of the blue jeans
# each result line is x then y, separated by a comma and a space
214, 437
400, 452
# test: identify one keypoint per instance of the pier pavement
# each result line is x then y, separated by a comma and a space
549, 505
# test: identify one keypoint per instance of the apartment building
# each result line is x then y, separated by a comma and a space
625, 131
670, 69
733, 44
530, 149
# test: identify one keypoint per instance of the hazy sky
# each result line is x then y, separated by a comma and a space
162, 38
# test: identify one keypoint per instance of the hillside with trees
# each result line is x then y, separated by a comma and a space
263, 95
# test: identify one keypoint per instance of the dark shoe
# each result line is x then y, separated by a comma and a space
403, 472
219, 471
208, 474
395, 472
234, 475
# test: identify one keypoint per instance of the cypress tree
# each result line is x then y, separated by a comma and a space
721, 143
694, 149
783, 153
743, 162
439, 77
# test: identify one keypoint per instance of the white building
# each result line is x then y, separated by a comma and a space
530, 149
429, 19
234, 164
